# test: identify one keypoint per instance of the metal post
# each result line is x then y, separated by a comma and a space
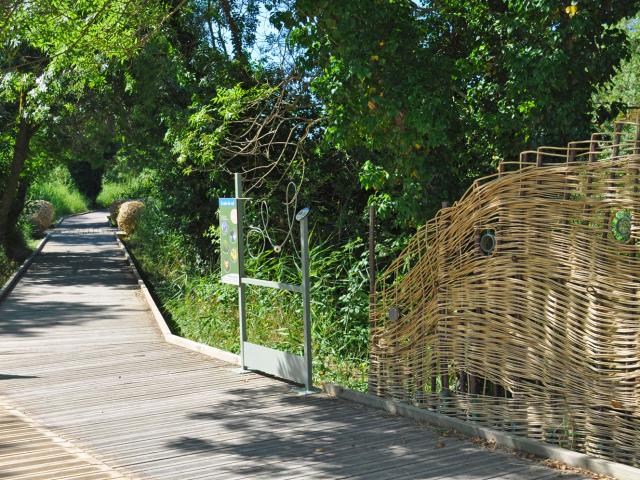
306, 299
241, 288
372, 257
444, 366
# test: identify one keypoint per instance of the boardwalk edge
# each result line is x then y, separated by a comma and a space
500, 439
13, 280
70, 448
169, 337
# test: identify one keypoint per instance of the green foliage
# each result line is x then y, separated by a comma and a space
439, 92
7, 267
205, 310
133, 187
208, 128
624, 88
54, 57
59, 188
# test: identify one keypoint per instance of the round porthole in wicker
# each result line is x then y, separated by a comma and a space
621, 226
487, 242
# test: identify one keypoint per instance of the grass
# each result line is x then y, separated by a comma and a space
202, 309
119, 190
58, 188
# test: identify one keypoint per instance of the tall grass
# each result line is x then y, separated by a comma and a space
204, 310
59, 188
123, 189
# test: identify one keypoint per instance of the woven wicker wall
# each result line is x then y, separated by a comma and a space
541, 334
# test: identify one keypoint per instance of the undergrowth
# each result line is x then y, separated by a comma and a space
59, 188
7, 267
121, 189
203, 309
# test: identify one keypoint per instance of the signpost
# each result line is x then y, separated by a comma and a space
252, 356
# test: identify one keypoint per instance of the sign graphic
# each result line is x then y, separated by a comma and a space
229, 265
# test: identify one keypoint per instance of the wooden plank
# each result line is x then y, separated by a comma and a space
43, 454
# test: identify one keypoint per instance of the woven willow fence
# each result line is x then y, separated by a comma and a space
519, 307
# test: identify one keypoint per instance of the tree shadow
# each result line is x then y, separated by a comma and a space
61, 269
5, 376
24, 318
272, 433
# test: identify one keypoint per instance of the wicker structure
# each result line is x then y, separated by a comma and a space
129, 213
519, 306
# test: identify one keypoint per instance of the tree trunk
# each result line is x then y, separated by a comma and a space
8, 217
236, 34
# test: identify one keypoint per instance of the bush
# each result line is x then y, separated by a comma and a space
7, 267
128, 215
58, 188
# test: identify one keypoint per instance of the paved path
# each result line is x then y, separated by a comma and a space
88, 390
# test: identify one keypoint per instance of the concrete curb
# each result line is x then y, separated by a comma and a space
13, 280
169, 337
501, 439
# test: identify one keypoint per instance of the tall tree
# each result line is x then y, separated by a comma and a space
52, 52
439, 92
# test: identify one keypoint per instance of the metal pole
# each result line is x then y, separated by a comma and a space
372, 257
444, 367
241, 289
306, 300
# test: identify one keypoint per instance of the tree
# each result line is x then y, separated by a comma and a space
439, 92
624, 88
52, 53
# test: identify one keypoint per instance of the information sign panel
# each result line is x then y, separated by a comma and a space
229, 261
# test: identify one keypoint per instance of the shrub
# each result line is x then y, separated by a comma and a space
7, 267
128, 215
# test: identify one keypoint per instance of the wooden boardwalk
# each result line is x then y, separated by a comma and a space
89, 390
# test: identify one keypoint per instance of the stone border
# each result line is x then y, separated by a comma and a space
500, 439
13, 280
169, 337
468, 429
